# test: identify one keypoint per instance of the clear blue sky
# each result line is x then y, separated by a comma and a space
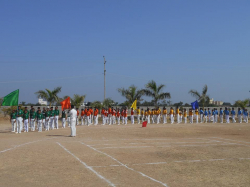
183, 44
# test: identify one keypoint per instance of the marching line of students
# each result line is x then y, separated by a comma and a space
49, 118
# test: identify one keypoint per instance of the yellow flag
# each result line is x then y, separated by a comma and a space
134, 104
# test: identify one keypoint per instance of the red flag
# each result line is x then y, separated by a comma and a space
66, 103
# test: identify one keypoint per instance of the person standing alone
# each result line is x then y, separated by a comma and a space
73, 117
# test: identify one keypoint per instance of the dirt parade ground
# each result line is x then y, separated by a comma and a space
177, 155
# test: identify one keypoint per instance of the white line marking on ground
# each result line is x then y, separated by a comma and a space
144, 175
131, 147
142, 139
16, 146
211, 141
178, 161
231, 140
86, 166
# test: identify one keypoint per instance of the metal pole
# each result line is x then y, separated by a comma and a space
104, 78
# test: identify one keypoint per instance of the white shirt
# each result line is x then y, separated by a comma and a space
73, 114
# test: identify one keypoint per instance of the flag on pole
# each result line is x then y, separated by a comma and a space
195, 105
134, 104
66, 103
11, 99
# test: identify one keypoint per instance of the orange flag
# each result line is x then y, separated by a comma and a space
66, 103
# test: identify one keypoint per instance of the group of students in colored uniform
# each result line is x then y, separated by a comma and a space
48, 118
23, 120
208, 115
88, 116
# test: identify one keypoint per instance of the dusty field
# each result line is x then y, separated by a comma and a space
185, 155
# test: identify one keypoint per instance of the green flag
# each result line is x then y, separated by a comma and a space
11, 99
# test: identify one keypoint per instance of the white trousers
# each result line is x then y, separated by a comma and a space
51, 122
63, 122
227, 119
185, 119
205, 119
13, 123
233, 118
56, 122
191, 119
132, 119
77, 121
197, 118
19, 124
158, 119
113, 120
118, 120
47, 124
82, 120
221, 118
26, 125
73, 127
201, 116
40, 125
153, 118
216, 118
240, 118
68, 119
96, 120
44, 125
138, 119
172, 118
165, 118
32, 124
148, 118
142, 118
126, 120
178, 118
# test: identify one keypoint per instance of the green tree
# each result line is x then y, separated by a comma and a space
241, 103
131, 94
50, 96
96, 104
77, 100
202, 97
155, 91
108, 102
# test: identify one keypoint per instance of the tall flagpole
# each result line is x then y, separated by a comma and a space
104, 78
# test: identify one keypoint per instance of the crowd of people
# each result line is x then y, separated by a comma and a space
48, 118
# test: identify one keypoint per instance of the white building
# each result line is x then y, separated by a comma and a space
219, 103
42, 102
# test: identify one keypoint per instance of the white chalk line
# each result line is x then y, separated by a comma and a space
178, 161
131, 147
231, 140
142, 139
134, 143
234, 141
16, 146
86, 166
144, 175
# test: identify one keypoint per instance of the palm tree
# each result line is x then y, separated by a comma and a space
154, 91
50, 96
77, 100
202, 97
131, 94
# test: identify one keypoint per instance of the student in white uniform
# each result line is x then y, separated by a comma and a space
73, 117
13, 116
